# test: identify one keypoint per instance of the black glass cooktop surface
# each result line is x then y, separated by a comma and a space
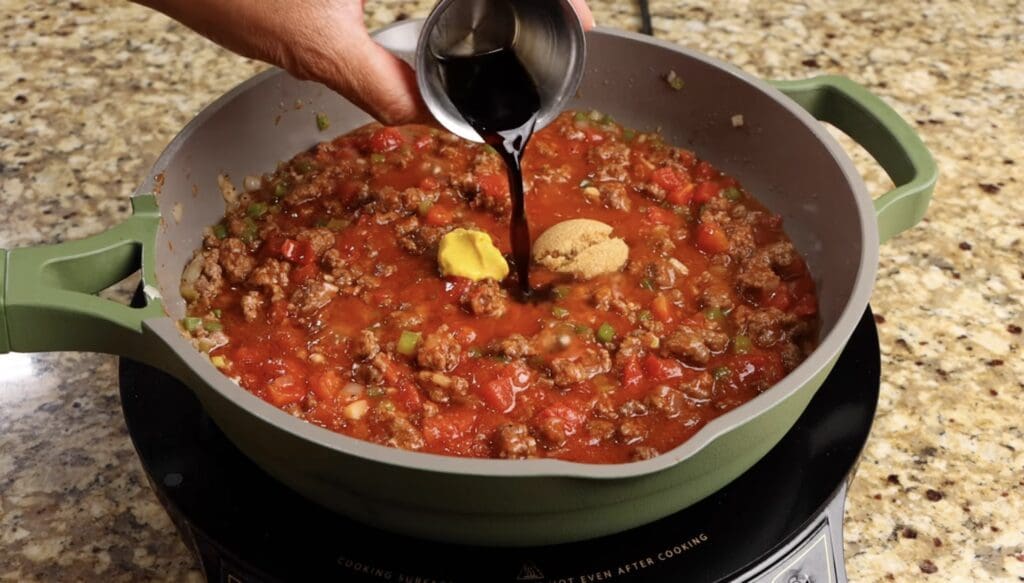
780, 521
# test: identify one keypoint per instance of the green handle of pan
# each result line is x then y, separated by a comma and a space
47, 293
892, 142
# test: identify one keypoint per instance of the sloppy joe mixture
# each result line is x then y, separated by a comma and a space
365, 287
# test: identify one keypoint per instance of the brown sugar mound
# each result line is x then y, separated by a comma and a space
582, 247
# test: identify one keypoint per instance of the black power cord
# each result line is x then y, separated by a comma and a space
645, 18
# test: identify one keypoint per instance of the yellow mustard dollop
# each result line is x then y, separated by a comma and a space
471, 254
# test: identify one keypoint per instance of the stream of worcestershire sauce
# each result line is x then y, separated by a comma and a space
497, 96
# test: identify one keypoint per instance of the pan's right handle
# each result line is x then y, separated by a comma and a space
892, 142
47, 293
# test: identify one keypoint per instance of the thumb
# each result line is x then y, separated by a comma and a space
378, 82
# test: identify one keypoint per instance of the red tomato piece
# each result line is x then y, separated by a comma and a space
303, 273
326, 385
711, 238
765, 367
569, 415
499, 395
661, 308
667, 178
300, 252
661, 369
285, 390
439, 216
706, 191
632, 373
659, 216
455, 286
385, 140
705, 171
681, 196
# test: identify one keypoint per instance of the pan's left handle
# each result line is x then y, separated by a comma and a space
48, 298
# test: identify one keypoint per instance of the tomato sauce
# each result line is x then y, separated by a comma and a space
320, 292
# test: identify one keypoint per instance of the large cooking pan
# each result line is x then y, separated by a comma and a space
780, 153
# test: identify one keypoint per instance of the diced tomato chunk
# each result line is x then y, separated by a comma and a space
763, 367
300, 252
498, 394
711, 238
661, 308
661, 369
681, 196
326, 385
304, 273
704, 171
385, 140
455, 286
659, 216
667, 178
706, 191
570, 416
285, 390
439, 216
632, 373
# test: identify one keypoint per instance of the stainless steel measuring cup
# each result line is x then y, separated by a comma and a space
546, 35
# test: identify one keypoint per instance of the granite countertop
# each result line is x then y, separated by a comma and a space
94, 90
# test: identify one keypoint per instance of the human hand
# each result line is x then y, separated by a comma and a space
318, 40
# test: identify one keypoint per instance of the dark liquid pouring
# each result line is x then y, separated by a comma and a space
497, 96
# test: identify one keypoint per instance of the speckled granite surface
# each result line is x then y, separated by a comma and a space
91, 92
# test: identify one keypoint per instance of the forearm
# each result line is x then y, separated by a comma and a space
273, 31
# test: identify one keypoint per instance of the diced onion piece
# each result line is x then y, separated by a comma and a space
352, 391
251, 183
737, 120
189, 278
227, 190
356, 410
679, 265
